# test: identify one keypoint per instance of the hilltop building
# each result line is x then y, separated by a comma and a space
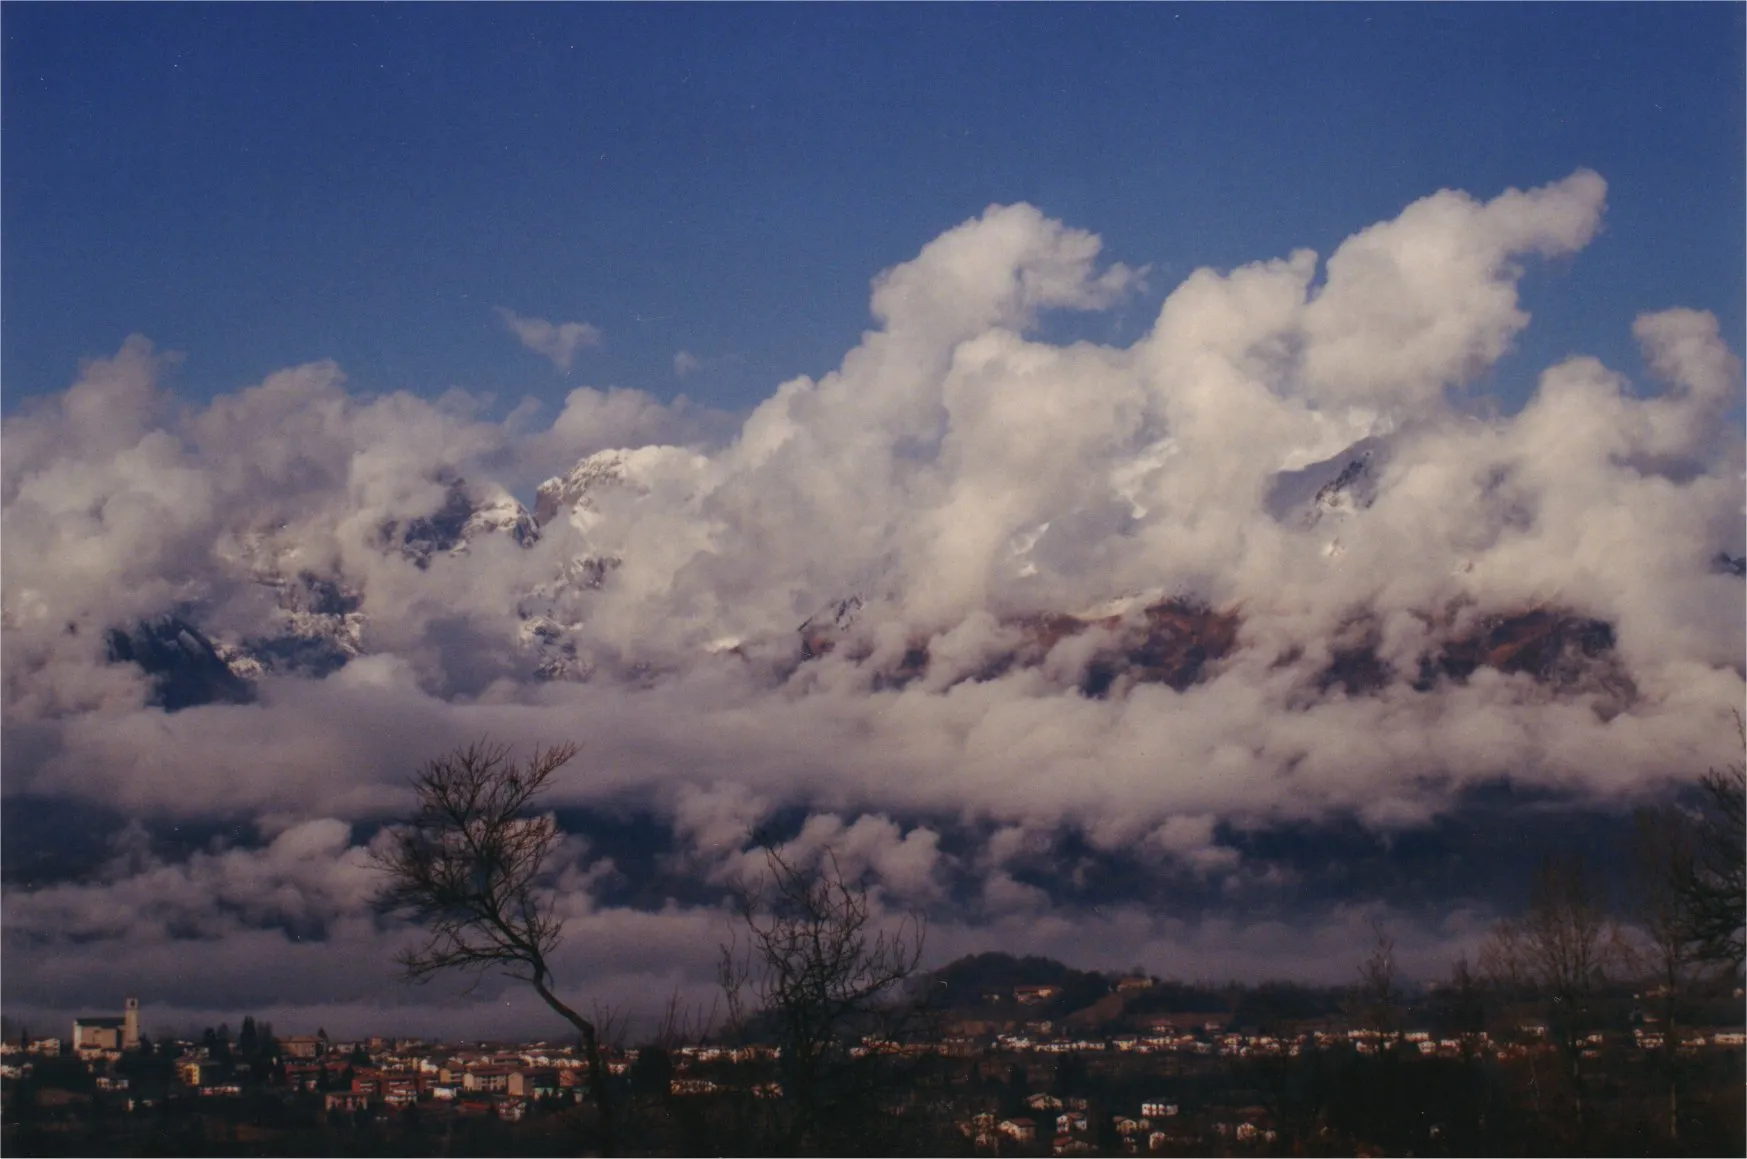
1035, 995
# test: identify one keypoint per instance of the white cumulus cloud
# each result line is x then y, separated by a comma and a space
936, 509
557, 341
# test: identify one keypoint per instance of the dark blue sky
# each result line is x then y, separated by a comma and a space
263, 185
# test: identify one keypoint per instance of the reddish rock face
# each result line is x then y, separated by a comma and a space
1177, 642
1173, 645
816, 643
819, 635
1356, 670
1171, 642
1559, 649
1556, 647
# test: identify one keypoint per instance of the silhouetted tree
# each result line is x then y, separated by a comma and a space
1378, 995
1559, 949
1016, 1090
1711, 885
652, 1073
470, 866
821, 970
1666, 953
1071, 1076
1462, 1008
216, 1042
1690, 906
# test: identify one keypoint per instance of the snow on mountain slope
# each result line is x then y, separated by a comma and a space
321, 622
1325, 495
316, 622
462, 517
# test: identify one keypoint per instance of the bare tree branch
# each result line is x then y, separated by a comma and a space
1560, 948
820, 967
469, 867
1377, 987
1712, 886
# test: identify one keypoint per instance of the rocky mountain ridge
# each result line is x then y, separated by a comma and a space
1179, 642
321, 620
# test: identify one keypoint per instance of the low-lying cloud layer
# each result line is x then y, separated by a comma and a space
1272, 564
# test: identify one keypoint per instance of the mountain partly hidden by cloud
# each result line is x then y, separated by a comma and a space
1135, 653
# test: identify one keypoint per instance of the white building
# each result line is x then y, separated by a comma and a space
109, 1034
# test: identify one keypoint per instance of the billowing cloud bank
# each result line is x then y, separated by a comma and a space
1269, 566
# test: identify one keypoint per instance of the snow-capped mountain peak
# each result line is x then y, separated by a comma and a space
461, 517
637, 471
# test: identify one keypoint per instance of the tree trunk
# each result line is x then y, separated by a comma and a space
1670, 1060
1577, 1090
599, 1086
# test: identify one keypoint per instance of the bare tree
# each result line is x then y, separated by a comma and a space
1561, 944
1664, 950
1558, 949
1690, 903
821, 970
1465, 1003
1378, 995
682, 1023
470, 866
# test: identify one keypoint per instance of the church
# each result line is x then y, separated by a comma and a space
109, 1034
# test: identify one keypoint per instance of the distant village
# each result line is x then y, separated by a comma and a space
1022, 1078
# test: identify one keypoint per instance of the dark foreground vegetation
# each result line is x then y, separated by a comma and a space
1586, 1027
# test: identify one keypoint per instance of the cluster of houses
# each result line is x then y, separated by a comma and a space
1203, 1033
368, 1074
1157, 1127
346, 1076
478, 1081
378, 1073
